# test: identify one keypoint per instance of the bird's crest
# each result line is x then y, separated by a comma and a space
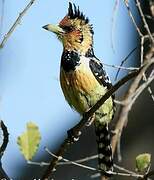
76, 13
78, 32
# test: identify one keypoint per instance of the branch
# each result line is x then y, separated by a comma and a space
142, 88
132, 18
144, 20
76, 129
127, 173
121, 67
148, 55
149, 36
127, 105
123, 61
16, 23
149, 174
121, 174
3, 175
5, 138
71, 162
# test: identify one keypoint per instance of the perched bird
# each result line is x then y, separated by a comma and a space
82, 77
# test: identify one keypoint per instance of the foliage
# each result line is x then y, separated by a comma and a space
29, 141
143, 161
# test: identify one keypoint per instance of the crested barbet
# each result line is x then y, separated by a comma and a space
83, 78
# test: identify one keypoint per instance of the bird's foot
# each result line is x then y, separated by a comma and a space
73, 136
90, 120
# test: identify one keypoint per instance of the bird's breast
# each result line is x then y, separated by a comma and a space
78, 86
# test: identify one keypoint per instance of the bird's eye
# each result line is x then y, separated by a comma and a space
67, 28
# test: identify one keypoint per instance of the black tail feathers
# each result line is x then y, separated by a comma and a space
105, 158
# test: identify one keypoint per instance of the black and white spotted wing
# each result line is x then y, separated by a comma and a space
97, 69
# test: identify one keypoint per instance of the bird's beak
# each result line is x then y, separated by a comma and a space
54, 28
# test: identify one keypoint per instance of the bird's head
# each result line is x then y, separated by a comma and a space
74, 31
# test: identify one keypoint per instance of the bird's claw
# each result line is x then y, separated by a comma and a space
90, 120
73, 136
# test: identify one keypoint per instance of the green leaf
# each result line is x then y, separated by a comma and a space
29, 141
143, 162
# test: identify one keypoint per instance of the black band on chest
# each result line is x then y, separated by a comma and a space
70, 60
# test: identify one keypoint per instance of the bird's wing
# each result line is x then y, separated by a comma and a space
98, 71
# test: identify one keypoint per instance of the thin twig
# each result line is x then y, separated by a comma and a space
121, 67
127, 173
123, 61
16, 23
144, 20
149, 17
141, 88
127, 106
83, 160
71, 162
38, 163
92, 158
80, 165
142, 58
132, 174
132, 18
121, 174
80, 160
123, 169
151, 93
63, 163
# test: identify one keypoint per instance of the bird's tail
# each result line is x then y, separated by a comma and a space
105, 158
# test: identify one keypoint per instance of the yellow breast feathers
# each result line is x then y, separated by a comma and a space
79, 85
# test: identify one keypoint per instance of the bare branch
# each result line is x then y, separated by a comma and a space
132, 18
3, 174
123, 169
121, 67
81, 160
123, 61
148, 55
144, 20
121, 174
128, 103
151, 93
127, 173
16, 23
142, 88
71, 162
38, 163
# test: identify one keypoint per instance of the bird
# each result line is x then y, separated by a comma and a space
83, 78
